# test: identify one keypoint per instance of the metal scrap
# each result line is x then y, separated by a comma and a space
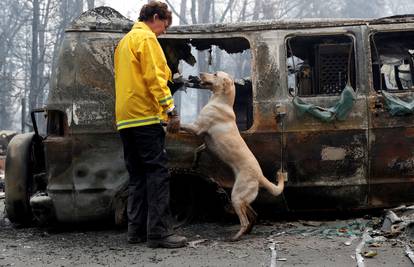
390, 219
409, 253
193, 244
397, 221
358, 256
274, 254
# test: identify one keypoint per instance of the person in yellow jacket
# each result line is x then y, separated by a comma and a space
143, 101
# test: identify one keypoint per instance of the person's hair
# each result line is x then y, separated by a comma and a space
155, 7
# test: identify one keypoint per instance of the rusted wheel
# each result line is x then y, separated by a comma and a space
18, 178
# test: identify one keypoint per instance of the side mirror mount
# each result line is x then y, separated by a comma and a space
35, 124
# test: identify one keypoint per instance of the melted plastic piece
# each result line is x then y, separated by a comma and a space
396, 106
339, 111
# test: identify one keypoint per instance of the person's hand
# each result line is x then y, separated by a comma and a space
173, 125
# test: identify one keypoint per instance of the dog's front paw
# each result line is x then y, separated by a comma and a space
187, 128
282, 174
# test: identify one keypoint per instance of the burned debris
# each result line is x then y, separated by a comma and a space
5, 137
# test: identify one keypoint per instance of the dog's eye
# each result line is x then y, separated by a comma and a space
215, 74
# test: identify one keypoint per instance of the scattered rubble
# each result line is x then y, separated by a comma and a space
1, 184
293, 243
329, 229
396, 227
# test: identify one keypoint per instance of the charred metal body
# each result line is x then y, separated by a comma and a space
364, 161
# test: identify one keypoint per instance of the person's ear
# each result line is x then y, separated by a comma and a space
155, 17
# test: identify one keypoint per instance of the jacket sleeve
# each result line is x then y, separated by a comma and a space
155, 72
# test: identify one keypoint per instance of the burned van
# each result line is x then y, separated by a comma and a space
330, 102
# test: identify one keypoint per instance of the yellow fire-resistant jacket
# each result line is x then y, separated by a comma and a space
141, 77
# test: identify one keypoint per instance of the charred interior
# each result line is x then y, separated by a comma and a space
55, 123
318, 65
393, 60
188, 57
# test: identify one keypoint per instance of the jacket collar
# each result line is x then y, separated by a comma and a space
141, 25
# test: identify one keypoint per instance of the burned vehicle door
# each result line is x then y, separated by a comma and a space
325, 144
391, 113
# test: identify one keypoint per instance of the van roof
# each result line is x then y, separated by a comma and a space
107, 19
286, 24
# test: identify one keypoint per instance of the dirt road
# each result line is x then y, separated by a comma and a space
297, 243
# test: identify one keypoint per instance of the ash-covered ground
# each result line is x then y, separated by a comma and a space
297, 243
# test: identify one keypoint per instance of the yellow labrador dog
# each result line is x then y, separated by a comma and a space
216, 125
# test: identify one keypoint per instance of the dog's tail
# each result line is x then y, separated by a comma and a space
271, 187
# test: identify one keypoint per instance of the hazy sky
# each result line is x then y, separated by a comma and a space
128, 8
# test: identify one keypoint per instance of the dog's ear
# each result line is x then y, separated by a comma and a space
228, 81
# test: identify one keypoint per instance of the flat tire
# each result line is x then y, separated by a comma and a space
18, 179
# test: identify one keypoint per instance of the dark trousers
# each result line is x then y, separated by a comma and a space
149, 183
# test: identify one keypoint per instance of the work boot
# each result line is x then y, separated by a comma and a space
171, 241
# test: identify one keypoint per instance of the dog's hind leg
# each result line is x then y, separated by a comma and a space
252, 215
240, 208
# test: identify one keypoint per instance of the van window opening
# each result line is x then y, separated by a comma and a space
318, 65
392, 55
191, 56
